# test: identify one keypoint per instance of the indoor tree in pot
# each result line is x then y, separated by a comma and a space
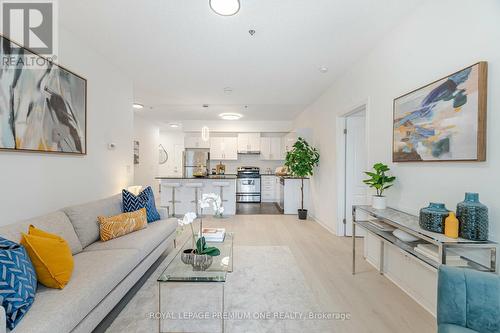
301, 161
380, 182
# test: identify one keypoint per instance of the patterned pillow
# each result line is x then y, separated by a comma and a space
119, 225
145, 199
17, 281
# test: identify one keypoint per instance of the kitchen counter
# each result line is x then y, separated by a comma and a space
184, 195
227, 176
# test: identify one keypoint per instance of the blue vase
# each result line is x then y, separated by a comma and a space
432, 217
473, 217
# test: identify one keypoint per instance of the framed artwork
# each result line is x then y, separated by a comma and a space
136, 152
43, 106
444, 120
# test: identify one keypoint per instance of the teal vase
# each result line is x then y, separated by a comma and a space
432, 217
473, 217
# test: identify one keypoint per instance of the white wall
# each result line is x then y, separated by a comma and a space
148, 135
237, 126
173, 142
34, 184
436, 40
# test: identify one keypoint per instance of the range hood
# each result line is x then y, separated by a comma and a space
249, 152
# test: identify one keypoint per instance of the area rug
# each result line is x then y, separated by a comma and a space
266, 292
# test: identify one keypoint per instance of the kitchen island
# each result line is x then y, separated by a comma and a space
184, 195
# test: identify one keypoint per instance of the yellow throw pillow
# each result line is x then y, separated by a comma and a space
119, 225
51, 257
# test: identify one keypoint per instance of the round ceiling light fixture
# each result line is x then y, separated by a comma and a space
174, 125
230, 116
323, 69
137, 106
225, 7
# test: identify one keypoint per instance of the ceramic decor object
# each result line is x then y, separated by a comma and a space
432, 217
473, 217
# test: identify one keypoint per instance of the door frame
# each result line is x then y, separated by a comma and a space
341, 158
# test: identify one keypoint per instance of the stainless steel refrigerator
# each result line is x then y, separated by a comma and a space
195, 159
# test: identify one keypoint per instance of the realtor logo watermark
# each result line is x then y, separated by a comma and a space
32, 24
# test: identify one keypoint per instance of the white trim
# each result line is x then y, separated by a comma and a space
341, 126
324, 225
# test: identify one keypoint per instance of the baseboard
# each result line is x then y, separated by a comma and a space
324, 225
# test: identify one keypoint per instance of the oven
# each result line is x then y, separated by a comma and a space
248, 185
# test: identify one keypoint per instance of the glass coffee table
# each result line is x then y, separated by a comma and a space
193, 301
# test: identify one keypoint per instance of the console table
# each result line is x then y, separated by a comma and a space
409, 224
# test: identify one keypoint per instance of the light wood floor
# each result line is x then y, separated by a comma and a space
375, 303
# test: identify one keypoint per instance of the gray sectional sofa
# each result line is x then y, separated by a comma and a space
103, 272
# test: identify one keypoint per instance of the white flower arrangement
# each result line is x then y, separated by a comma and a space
213, 199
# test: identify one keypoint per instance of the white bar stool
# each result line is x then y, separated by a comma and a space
173, 186
221, 186
196, 187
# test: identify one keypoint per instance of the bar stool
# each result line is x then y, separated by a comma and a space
196, 187
173, 186
221, 186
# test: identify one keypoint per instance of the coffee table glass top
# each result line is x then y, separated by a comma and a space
177, 271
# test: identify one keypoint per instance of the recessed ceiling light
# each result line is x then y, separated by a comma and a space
323, 70
230, 116
137, 106
174, 125
225, 7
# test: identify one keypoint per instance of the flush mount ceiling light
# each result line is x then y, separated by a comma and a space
137, 106
205, 133
225, 7
230, 116
174, 125
323, 69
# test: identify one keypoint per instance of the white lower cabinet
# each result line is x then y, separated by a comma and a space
268, 189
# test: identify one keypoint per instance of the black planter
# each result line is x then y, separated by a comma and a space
302, 214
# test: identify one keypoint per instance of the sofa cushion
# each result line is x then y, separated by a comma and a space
51, 257
55, 223
96, 273
122, 224
84, 217
145, 199
17, 281
145, 240
450, 328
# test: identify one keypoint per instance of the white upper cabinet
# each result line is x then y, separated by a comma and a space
248, 142
288, 142
271, 148
191, 141
223, 148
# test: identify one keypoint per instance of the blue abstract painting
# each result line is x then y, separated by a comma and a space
42, 105
443, 121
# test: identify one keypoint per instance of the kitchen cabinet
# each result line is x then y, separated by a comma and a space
223, 148
268, 188
248, 142
195, 142
288, 142
271, 148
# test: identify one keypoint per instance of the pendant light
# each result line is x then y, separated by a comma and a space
205, 133
225, 7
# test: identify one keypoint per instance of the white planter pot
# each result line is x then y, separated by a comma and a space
379, 202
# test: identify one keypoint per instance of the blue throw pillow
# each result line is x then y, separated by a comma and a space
145, 199
17, 281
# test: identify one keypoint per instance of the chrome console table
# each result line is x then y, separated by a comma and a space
409, 223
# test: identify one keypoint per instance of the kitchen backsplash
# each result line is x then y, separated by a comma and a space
248, 160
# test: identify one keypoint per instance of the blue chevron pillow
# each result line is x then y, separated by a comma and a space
145, 199
17, 281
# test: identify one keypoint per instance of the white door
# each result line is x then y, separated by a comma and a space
230, 148
355, 165
216, 145
254, 141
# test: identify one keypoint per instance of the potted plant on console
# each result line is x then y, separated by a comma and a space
301, 161
380, 182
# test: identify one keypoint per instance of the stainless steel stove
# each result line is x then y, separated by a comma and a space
248, 184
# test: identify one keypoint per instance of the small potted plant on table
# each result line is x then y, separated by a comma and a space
380, 182
301, 161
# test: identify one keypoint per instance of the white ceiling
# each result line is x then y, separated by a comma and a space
181, 55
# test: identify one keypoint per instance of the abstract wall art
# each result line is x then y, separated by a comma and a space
43, 106
444, 120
